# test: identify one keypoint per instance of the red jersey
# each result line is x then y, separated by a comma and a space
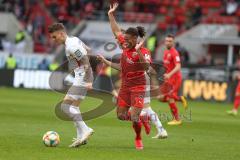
238, 88
132, 71
170, 59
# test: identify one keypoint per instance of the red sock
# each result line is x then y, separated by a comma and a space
137, 126
174, 110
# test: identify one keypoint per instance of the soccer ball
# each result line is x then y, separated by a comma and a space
51, 139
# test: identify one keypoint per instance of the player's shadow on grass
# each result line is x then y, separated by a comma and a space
105, 107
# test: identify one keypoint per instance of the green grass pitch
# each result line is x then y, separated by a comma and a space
25, 115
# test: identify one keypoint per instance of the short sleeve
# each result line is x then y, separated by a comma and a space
120, 38
78, 51
147, 55
176, 57
238, 88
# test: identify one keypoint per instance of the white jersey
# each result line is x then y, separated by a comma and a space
78, 60
75, 52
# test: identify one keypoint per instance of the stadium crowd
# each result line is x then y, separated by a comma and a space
171, 16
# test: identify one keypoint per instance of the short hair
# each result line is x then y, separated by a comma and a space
138, 31
56, 27
170, 36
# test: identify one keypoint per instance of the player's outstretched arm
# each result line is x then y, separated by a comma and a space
114, 26
109, 63
88, 49
142, 58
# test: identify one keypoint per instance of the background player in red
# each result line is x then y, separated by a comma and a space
234, 111
173, 76
134, 62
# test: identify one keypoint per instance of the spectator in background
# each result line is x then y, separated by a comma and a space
237, 64
1, 45
43, 65
184, 55
207, 60
20, 42
8, 46
129, 6
231, 7
20, 36
197, 14
73, 7
54, 7
89, 9
11, 62
172, 23
53, 66
152, 42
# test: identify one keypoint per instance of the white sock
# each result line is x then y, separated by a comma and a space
80, 124
154, 119
79, 131
74, 113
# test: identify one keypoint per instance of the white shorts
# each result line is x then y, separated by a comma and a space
78, 90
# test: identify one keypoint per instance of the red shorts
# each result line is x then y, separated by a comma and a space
132, 96
176, 83
236, 101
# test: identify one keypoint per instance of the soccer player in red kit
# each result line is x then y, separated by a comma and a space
173, 76
134, 62
234, 111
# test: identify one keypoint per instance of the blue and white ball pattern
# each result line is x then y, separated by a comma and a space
51, 139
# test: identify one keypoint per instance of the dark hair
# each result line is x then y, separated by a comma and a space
170, 36
139, 31
56, 27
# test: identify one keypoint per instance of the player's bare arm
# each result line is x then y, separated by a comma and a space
109, 63
88, 49
176, 69
142, 59
114, 26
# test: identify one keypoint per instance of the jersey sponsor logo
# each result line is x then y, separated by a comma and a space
206, 90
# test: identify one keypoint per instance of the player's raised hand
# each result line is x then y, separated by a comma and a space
113, 8
140, 44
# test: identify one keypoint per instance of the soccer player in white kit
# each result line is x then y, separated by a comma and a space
76, 52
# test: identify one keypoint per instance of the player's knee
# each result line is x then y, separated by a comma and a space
76, 102
134, 117
122, 116
160, 98
171, 100
67, 101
